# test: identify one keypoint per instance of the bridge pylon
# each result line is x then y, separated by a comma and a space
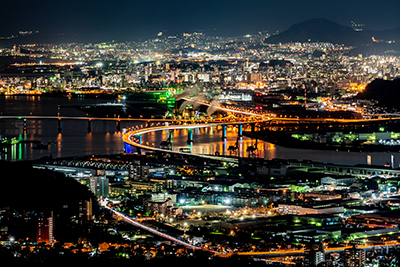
240, 131
190, 136
224, 132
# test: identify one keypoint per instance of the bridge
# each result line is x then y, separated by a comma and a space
133, 137
89, 119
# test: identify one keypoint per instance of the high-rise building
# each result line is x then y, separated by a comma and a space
138, 171
14, 50
99, 185
314, 257
173, 75
146, 74
203, 77
354, 257
254, 77
45, 228
86, 209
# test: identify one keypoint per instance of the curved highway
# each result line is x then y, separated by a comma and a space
130, 137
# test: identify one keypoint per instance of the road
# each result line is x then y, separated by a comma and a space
113, 119
129, 137
276, 253
154, 231
286, 252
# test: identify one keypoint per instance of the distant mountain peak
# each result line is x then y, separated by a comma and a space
320, 30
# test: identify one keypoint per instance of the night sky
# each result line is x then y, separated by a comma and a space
133, 19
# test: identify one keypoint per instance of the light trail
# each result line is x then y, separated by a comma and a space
258, 253
128, 138
154, 231
234, 110
115, 119
326, 250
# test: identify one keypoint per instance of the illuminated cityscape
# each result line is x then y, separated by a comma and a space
275, 145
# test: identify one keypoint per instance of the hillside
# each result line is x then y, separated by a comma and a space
321, 30
25, 188
385, 92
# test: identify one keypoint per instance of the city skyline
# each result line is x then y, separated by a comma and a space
173, 132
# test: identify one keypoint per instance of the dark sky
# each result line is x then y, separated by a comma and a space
132, 19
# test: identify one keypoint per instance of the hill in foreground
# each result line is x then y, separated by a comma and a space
26, 188
386, 92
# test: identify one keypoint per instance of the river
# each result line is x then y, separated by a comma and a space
75, 140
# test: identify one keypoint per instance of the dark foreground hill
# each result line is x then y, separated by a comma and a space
387, 93
26, 188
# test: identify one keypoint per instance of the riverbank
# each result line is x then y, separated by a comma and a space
285, 140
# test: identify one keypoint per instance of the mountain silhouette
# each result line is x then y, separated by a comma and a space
323, 30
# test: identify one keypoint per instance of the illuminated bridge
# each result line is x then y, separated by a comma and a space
148, 122
133, 137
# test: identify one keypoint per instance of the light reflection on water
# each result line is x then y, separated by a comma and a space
74, 139
209, 141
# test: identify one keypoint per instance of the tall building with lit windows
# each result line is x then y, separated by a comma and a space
99, 185
86, 209
254, 77
313, 257
45, 228
138, 171
354, 257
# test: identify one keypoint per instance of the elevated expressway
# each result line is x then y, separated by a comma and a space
249, 117
131, 137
